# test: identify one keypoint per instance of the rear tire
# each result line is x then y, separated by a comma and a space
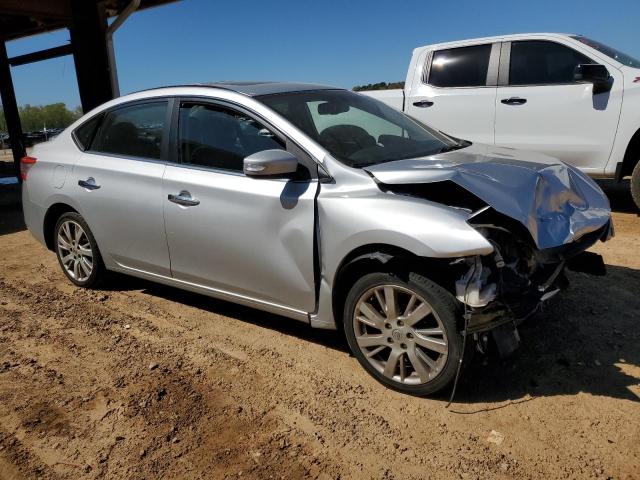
412, 346
635, 184
77, 251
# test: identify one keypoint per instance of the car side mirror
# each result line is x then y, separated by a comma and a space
593, 73
268, 163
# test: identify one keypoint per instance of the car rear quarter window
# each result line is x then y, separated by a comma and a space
460, 67
539, 62
217, 137
132, 131
85, 132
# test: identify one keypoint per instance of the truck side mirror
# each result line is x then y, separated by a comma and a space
593, 73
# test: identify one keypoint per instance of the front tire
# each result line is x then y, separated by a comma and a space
77, 251
635, 185
404, 332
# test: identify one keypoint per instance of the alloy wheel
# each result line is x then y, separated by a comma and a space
400, 334
74, 249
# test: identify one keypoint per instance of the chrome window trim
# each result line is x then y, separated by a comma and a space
127, 157
494, 65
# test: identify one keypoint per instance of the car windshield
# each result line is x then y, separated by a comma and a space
617, 55
358, 130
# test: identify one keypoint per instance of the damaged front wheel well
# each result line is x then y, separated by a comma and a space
388, 259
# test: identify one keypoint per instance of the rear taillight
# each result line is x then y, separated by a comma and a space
25, 165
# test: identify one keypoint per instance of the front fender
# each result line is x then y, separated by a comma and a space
421, 227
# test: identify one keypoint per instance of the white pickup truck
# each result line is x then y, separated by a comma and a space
564, 95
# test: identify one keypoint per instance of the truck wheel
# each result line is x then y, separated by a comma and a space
635, 184
403, 332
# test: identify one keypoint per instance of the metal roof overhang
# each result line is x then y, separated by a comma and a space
23, 18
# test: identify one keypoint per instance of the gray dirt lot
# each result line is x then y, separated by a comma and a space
143, 381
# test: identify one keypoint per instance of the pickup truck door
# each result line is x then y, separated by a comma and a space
247, 239
455, 91
540, 107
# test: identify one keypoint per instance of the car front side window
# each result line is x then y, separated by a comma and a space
218, 137
538, 62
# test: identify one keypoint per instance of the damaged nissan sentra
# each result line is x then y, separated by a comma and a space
323, 206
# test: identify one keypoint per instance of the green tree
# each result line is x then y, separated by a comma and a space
36, 117
378, 86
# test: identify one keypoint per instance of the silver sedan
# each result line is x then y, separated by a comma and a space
323, 206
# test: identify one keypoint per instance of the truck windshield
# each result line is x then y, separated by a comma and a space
358, 130
617, 55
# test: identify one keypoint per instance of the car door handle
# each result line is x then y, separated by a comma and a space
89, 184
184, 198
514, 101
423, 103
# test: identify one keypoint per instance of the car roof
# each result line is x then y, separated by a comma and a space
497, 38
256, 88
267, 88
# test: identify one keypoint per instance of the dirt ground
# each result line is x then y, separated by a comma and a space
144, 381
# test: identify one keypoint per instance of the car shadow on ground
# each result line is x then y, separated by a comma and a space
585, 340
619, 194
287, 326
11, 218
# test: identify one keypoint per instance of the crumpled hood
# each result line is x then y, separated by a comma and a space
554, 201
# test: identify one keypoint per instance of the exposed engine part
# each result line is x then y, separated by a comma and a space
549, 294
472, 289
507, 339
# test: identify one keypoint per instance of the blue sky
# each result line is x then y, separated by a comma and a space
343, 43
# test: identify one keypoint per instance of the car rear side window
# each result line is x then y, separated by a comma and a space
218, 137
460, 67
85, 132
539, 62
132, 131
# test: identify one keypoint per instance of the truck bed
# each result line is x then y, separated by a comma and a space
394, 98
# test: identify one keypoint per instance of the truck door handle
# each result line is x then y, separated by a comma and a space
423, 103
184, 198
514, 101
89, 184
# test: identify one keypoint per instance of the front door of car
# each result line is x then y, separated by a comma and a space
456, 93
541, 107
118, 184
249, 237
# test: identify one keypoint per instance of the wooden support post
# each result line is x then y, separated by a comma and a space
10, 107
88, 42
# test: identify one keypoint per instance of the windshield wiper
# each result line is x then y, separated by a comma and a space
450, 148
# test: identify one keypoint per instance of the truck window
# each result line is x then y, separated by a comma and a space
538, 62
460, 67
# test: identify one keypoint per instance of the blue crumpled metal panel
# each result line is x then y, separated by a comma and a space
556, 202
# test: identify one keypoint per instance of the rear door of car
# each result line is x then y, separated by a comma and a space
118, 184
457, 90
245, 238
541, 107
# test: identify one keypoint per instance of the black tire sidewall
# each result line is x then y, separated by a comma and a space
97, 273
635, 185
440, 300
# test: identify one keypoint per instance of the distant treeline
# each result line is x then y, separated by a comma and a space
378, 86
36, 117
